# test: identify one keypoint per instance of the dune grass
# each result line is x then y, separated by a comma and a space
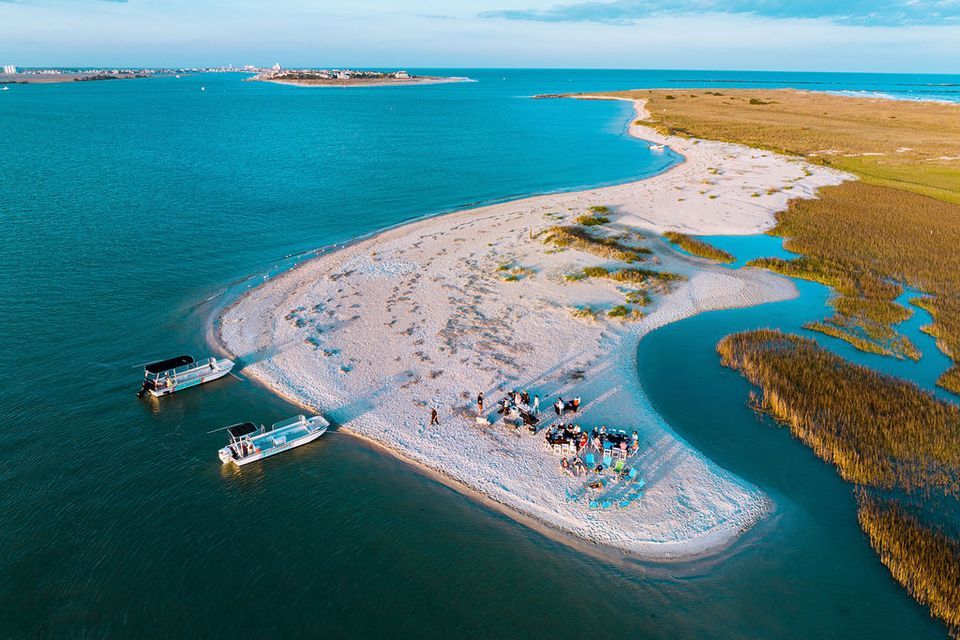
625, 313
698, 247
592, 221
575, 237
877, 430
920, 557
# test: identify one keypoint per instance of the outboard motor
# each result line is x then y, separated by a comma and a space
143, 389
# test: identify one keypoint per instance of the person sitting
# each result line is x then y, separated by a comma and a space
598, 443
576, 404
525, 397
576, 429
517, 399
603, 429
583, 442
634, 446
623, 446
565, 465
577, 466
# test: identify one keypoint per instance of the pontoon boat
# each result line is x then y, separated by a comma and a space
249, 443
167, 376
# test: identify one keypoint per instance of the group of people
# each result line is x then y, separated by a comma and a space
562, 406
517, 408
514, 399
597, 439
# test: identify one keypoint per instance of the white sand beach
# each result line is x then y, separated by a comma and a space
422, 316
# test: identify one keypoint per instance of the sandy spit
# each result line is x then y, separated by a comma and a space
362, 83
377, 333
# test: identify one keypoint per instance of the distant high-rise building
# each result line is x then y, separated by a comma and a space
277, 67
9, 68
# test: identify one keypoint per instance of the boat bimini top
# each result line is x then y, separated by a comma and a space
166, 365
241, 429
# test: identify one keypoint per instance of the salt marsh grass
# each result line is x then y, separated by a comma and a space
698, 247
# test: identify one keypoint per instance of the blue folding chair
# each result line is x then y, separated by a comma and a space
633, 473
607, 461
591, 461
606, 504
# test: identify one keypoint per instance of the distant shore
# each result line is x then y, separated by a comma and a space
52, 78
361, 82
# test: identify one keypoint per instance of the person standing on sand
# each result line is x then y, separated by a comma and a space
536, 405
480, 403
434, 418
558, 407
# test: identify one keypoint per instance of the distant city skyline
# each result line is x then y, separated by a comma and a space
918, 36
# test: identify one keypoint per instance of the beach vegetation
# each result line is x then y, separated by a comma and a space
515, 273
877, 430
868, 239
583, 312
592, 221
625, 313
896, 441
576, 237
642, 276
595, 272
698, 247
638, 297
921, 557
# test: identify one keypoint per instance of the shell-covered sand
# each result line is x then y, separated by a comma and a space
377, 333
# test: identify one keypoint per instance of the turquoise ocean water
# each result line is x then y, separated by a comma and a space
128, 208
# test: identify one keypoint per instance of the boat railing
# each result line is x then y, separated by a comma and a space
289, 422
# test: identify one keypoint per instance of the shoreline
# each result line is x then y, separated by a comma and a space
710, 521
360, 83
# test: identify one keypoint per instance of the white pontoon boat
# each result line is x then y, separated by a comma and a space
176, 374
249, 443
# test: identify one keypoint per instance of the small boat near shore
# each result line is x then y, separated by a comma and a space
176, 374
249, 443
657, 147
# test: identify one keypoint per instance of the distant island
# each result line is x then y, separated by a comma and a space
346, 77
48, 76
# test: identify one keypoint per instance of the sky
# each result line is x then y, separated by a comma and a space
920, 36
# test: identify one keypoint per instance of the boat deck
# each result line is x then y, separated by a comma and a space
279, 437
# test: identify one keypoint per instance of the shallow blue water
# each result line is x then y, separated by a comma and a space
128, 207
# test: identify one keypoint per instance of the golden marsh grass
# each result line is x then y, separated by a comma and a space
698, 247
877, 430
900, 223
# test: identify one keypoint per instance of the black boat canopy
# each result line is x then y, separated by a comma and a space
165, 365
241, 429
